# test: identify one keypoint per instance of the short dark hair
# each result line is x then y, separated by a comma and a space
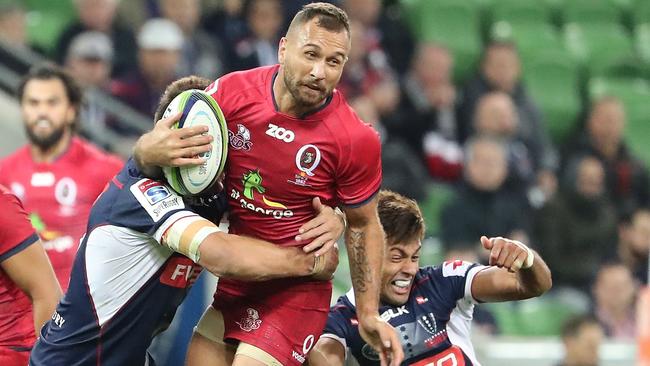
573, 325
400, 216
47, 71
177, 87
330, 17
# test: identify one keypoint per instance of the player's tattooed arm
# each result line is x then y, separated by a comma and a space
360, 270
364, 239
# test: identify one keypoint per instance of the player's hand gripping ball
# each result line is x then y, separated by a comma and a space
199, 108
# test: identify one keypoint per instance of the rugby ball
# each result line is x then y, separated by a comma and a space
199, 108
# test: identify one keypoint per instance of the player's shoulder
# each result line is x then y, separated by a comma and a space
349, 128
237, 81
7, 199
96, 155
16, 157
134, 201
447, 269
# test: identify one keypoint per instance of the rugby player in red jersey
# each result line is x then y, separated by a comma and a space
56, 175
26, 280
292, 137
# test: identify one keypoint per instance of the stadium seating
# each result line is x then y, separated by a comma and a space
635, 95
590, 12
438, 195
520, 11
553, 81
45, 21
532, 39
452, 23
542, 316
598, 47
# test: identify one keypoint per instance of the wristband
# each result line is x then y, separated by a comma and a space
530, 258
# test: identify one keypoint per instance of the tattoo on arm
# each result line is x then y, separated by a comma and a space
360, 270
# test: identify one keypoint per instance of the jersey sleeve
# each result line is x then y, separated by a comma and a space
359, 177
16, 231
453, 279
339, 322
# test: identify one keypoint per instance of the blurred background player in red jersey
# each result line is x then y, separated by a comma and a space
56, 174
26, 280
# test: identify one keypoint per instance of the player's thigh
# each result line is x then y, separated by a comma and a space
207, 347
248, 355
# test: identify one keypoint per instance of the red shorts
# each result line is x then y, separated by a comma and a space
14, 357
282, 318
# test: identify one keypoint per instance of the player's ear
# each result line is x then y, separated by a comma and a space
282, 49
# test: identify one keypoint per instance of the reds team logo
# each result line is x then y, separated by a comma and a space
240, 140
251, 321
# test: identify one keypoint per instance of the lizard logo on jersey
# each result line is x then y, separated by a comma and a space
241, 140
251, 321
252, 182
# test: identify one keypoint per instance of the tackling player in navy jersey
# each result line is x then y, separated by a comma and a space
430, 307
143, 249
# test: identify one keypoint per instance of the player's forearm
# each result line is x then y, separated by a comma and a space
249, 259
536, 280
43, 306
365, 253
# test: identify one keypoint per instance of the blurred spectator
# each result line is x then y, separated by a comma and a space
627, 180
260, 46
427, 111
226, 23
89, 61
614, 294
481, 206
366, 66
496, 115
13, 25
582, 337
401, 169
634, 242
576, 230
201, 53
160, 42
501, 71
99, 15
57, 175
386, 28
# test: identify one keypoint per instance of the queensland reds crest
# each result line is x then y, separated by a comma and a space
307, 159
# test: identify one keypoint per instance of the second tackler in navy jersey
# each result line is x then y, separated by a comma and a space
433, 326
125, 286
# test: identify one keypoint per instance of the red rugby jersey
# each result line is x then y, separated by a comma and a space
58, 195
16, 234
277, 163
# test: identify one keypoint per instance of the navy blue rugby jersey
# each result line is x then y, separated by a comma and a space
125, 286
433, 325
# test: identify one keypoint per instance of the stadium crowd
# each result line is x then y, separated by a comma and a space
474, 145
